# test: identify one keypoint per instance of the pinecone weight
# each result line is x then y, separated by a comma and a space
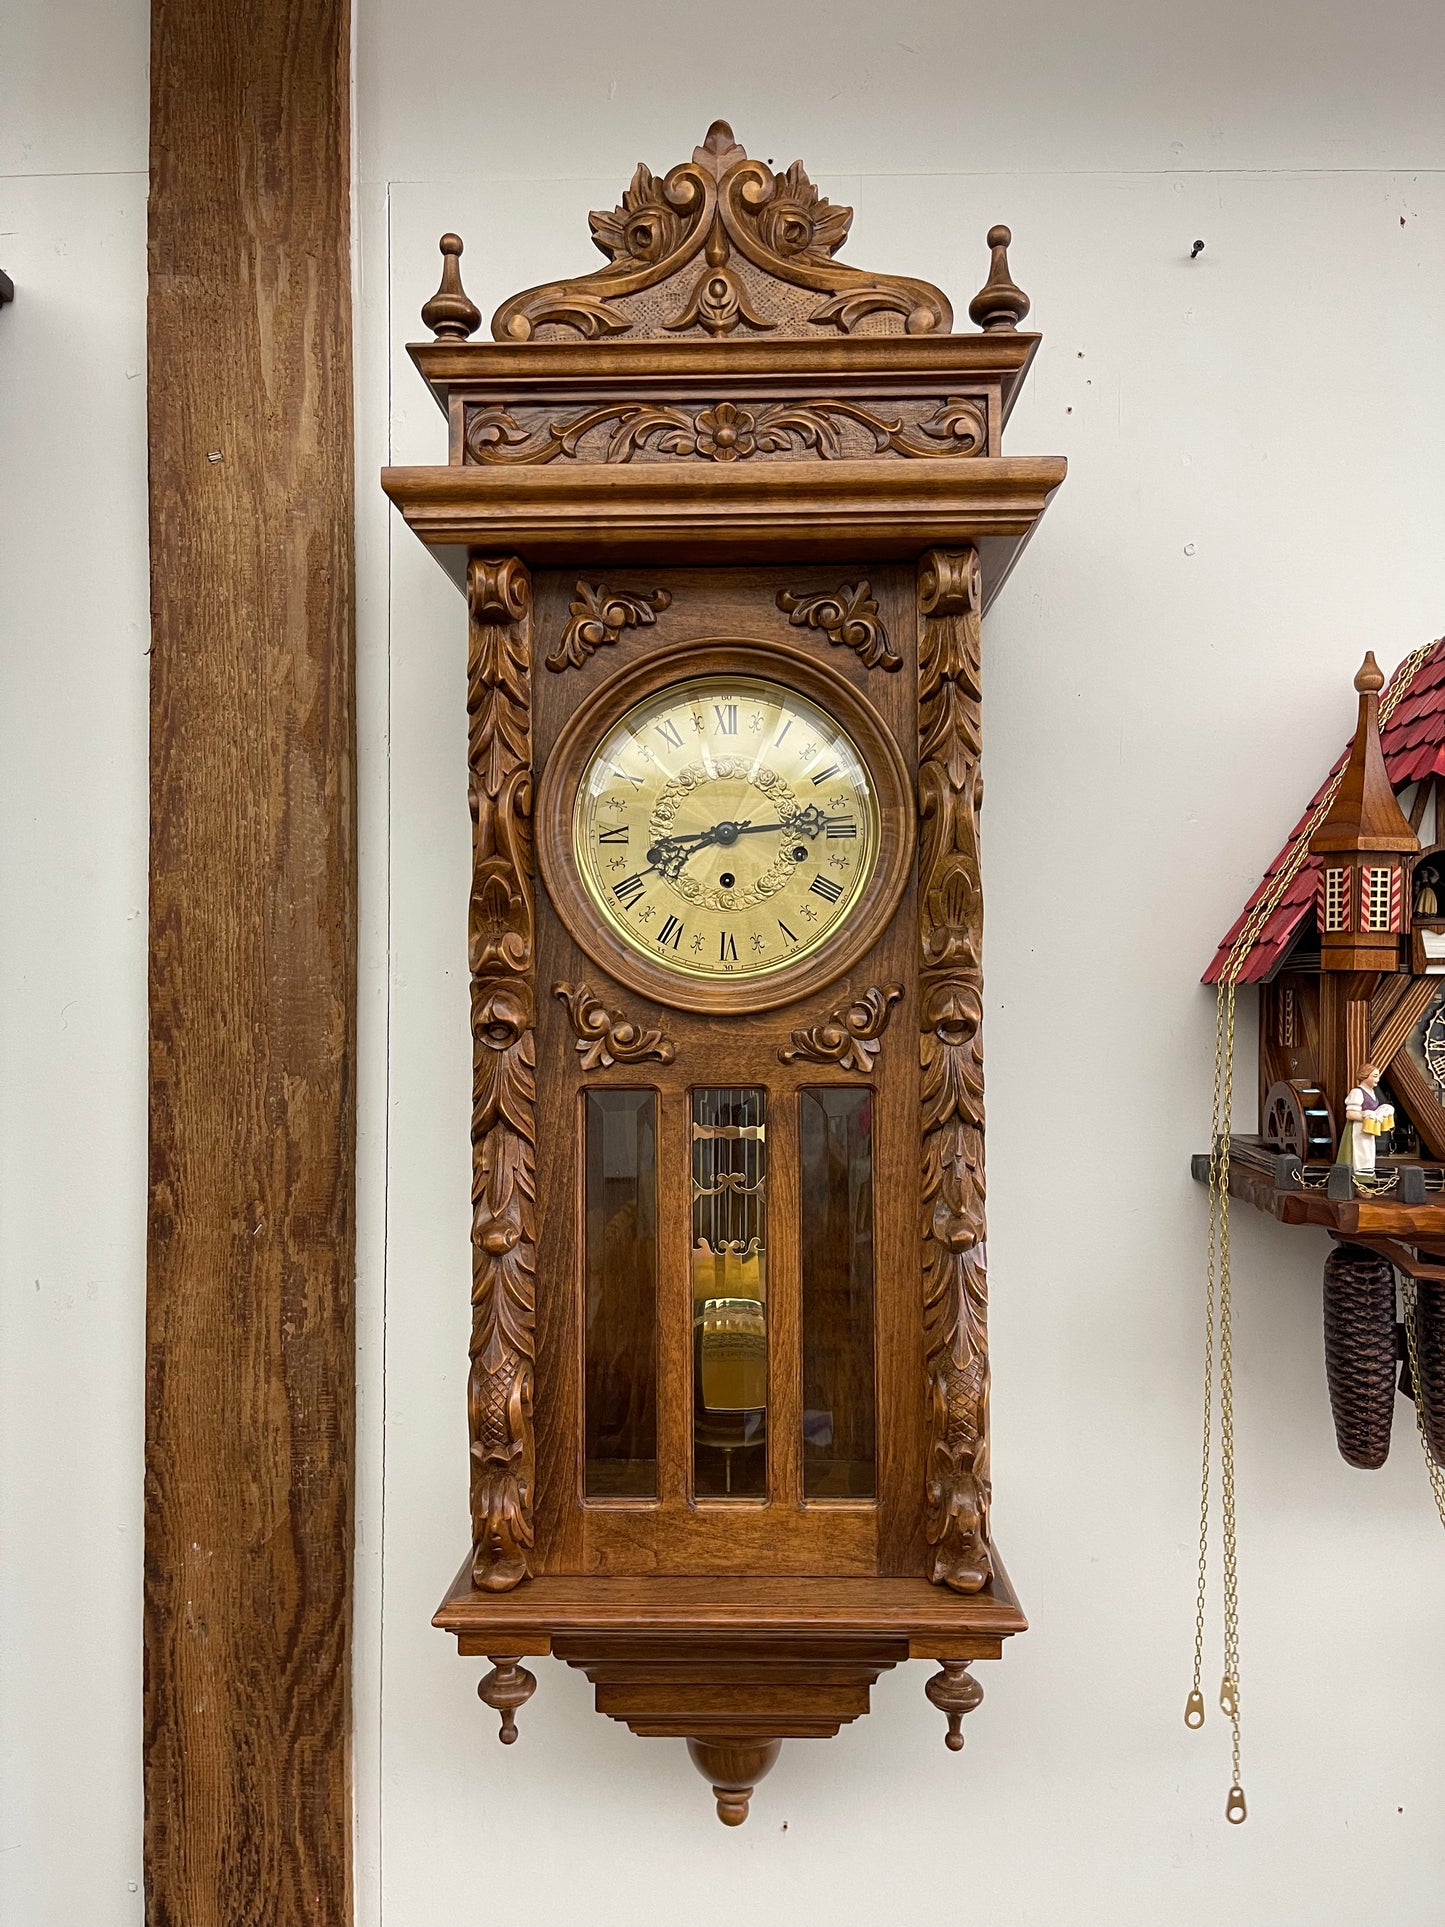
1360, 1352
1430, 1354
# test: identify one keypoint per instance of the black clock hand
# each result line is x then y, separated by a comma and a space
669, 853
810, 822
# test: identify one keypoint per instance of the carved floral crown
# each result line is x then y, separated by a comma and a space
766, 242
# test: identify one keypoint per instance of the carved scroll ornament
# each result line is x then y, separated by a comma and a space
606, 1037
718, 244
597, 615
500, 943
849, 1037
955, 1282
724, 431
848, 617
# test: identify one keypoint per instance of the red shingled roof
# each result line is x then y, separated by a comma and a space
1414, 744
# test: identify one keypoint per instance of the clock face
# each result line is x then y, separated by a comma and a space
725, 827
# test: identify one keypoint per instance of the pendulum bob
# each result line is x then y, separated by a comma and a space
730, 1355
1360, 1352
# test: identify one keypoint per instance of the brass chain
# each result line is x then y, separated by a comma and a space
1218, 1297
1410, 1294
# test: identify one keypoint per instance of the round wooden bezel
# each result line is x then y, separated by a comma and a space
720, 655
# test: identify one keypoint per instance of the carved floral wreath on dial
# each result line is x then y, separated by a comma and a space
779, 793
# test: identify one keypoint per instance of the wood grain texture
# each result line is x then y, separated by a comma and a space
673, 1532
722, 245
555, 1604
250, 1342
950, 892
500, 926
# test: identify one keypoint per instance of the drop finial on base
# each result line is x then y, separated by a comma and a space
508, 1686
733, 1767
954, 1691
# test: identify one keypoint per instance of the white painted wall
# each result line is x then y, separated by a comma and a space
1278, 404
74, 620
1255, 496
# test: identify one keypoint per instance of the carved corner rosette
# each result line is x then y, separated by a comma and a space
848, 616
501, 947
955, 1277
849, 1037
728, 244
596, 617
607, 1037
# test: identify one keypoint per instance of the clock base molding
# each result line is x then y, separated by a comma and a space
732, 1665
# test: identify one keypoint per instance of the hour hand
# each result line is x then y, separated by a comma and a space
669, 853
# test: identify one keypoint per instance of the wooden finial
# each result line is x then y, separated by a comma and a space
998, 303
719, 150
449, 314
1371, 679
508, 1686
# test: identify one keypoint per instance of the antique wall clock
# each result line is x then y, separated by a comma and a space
727, 514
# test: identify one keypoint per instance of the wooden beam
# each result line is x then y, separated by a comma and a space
249, 1358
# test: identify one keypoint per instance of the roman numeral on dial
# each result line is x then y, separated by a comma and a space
619, 835
628, 891
727, 949
667, 730
727, 717
671, 932
826, 889
825, 775
843, 829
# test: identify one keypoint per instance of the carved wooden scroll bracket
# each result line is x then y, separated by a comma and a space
849, 1037
596, 617
607, 1037
501, 948
848, 616
955, 1283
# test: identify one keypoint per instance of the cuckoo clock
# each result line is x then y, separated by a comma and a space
727, 515
1346, 939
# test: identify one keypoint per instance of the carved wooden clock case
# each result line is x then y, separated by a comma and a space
727, 514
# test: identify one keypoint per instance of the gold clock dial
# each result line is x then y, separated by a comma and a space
725, 827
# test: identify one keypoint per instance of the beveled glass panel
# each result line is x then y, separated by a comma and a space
620, 1306
835, 1139
729, 1294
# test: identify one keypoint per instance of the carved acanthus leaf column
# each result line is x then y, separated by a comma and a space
955, 1285
500, 945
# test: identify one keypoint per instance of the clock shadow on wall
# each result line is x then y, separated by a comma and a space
727, 514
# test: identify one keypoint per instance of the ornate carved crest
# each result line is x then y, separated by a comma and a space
719, 244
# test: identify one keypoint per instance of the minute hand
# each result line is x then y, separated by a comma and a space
808, 822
